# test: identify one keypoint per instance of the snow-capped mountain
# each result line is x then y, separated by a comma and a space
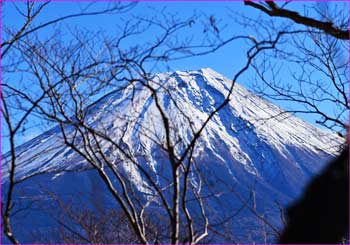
250, 158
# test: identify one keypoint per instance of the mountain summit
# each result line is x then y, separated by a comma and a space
250, 159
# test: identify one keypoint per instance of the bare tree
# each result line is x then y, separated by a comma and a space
15, 124
314, 60
321, 83
70, 77
328, 26
66, 78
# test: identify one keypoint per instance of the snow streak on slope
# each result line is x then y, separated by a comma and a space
248, 119
250, 143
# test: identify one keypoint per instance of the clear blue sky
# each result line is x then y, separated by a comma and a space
227, 61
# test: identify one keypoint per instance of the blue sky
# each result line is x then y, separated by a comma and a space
227, 60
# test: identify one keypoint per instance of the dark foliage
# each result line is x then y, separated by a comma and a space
322, 214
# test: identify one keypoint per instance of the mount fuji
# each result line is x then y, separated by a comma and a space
251, 160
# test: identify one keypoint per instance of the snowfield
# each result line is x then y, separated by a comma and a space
251, 157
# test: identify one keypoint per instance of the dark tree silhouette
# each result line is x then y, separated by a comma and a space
322, 214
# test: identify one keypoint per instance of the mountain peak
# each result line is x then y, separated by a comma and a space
206, 71
194, 95
249, 143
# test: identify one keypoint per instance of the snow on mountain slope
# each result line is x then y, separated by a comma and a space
249, 144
